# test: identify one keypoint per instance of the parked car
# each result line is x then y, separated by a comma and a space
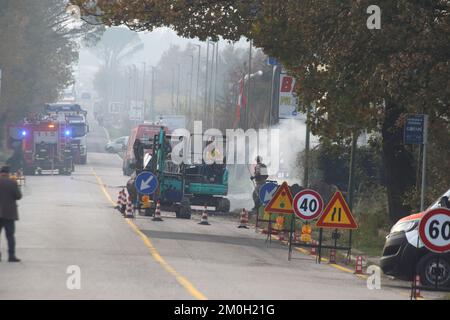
117, 145
402, 253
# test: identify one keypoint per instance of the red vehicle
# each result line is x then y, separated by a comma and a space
145, 133
45, 144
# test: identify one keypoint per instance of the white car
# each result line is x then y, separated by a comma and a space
117, 145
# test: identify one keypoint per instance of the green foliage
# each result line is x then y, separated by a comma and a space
38, 46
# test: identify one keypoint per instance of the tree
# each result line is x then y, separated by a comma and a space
357, 78
39, 43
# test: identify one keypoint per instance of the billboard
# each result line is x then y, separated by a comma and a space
287, 99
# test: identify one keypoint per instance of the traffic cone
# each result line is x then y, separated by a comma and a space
204, 220
244, 219
416, 290
313, 251
281, 236
332, 256
297, 236
121, 201
157, 216
359, 265
129, 213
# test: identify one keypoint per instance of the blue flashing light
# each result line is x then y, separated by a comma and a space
68, 133
24, 133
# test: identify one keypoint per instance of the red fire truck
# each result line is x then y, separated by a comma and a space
45, 144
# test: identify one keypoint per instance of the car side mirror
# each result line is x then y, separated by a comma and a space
444, 203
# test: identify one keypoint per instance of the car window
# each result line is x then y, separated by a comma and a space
436, 203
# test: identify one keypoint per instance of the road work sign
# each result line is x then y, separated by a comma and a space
266, 192
146, 183
281, 201
337, 214
308, 204
434, 230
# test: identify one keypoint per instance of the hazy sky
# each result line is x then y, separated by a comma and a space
155, 43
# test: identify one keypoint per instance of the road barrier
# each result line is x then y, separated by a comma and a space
243, 224
332, 256
204, 220
157, 215
121, 201
130, 209
359, 265
416, 288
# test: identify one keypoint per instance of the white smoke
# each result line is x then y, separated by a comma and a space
284, 166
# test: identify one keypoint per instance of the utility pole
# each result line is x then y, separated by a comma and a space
351, 178
178, 87
215, 85
247, 122
190, 83
0, 82
152, 103
307, 147
213, 58
272, 94
143, 91
205, 110
173, 89
198, 80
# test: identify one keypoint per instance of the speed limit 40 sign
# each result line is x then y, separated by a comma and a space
308, 204
434, 230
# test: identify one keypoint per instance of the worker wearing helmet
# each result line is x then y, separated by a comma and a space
259, 177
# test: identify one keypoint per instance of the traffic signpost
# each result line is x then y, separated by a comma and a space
416, 132
434, 232
281, 203
337, 215
146, 183
307, 205
266, 192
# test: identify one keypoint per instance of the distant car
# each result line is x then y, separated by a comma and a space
117, 145
401, 253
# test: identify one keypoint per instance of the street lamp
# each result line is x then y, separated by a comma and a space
247, 77
198, 80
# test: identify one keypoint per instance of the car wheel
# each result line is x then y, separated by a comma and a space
429, 271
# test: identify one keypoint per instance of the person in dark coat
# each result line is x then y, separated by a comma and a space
9, 194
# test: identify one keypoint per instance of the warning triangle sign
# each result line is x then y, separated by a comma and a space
281, 201
337, 214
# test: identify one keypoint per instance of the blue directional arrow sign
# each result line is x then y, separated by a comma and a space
146, 183
267, 191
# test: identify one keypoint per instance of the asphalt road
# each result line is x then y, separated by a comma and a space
70, 221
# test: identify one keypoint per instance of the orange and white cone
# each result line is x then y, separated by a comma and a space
416, 290
332, 256
121, 201
297, 236
204, 220
157, 216
244, 219
313, 251
129, 213
359, 265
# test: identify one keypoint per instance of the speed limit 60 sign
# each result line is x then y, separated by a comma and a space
308, 204
434, 230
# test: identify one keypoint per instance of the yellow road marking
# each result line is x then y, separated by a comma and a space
155, 254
